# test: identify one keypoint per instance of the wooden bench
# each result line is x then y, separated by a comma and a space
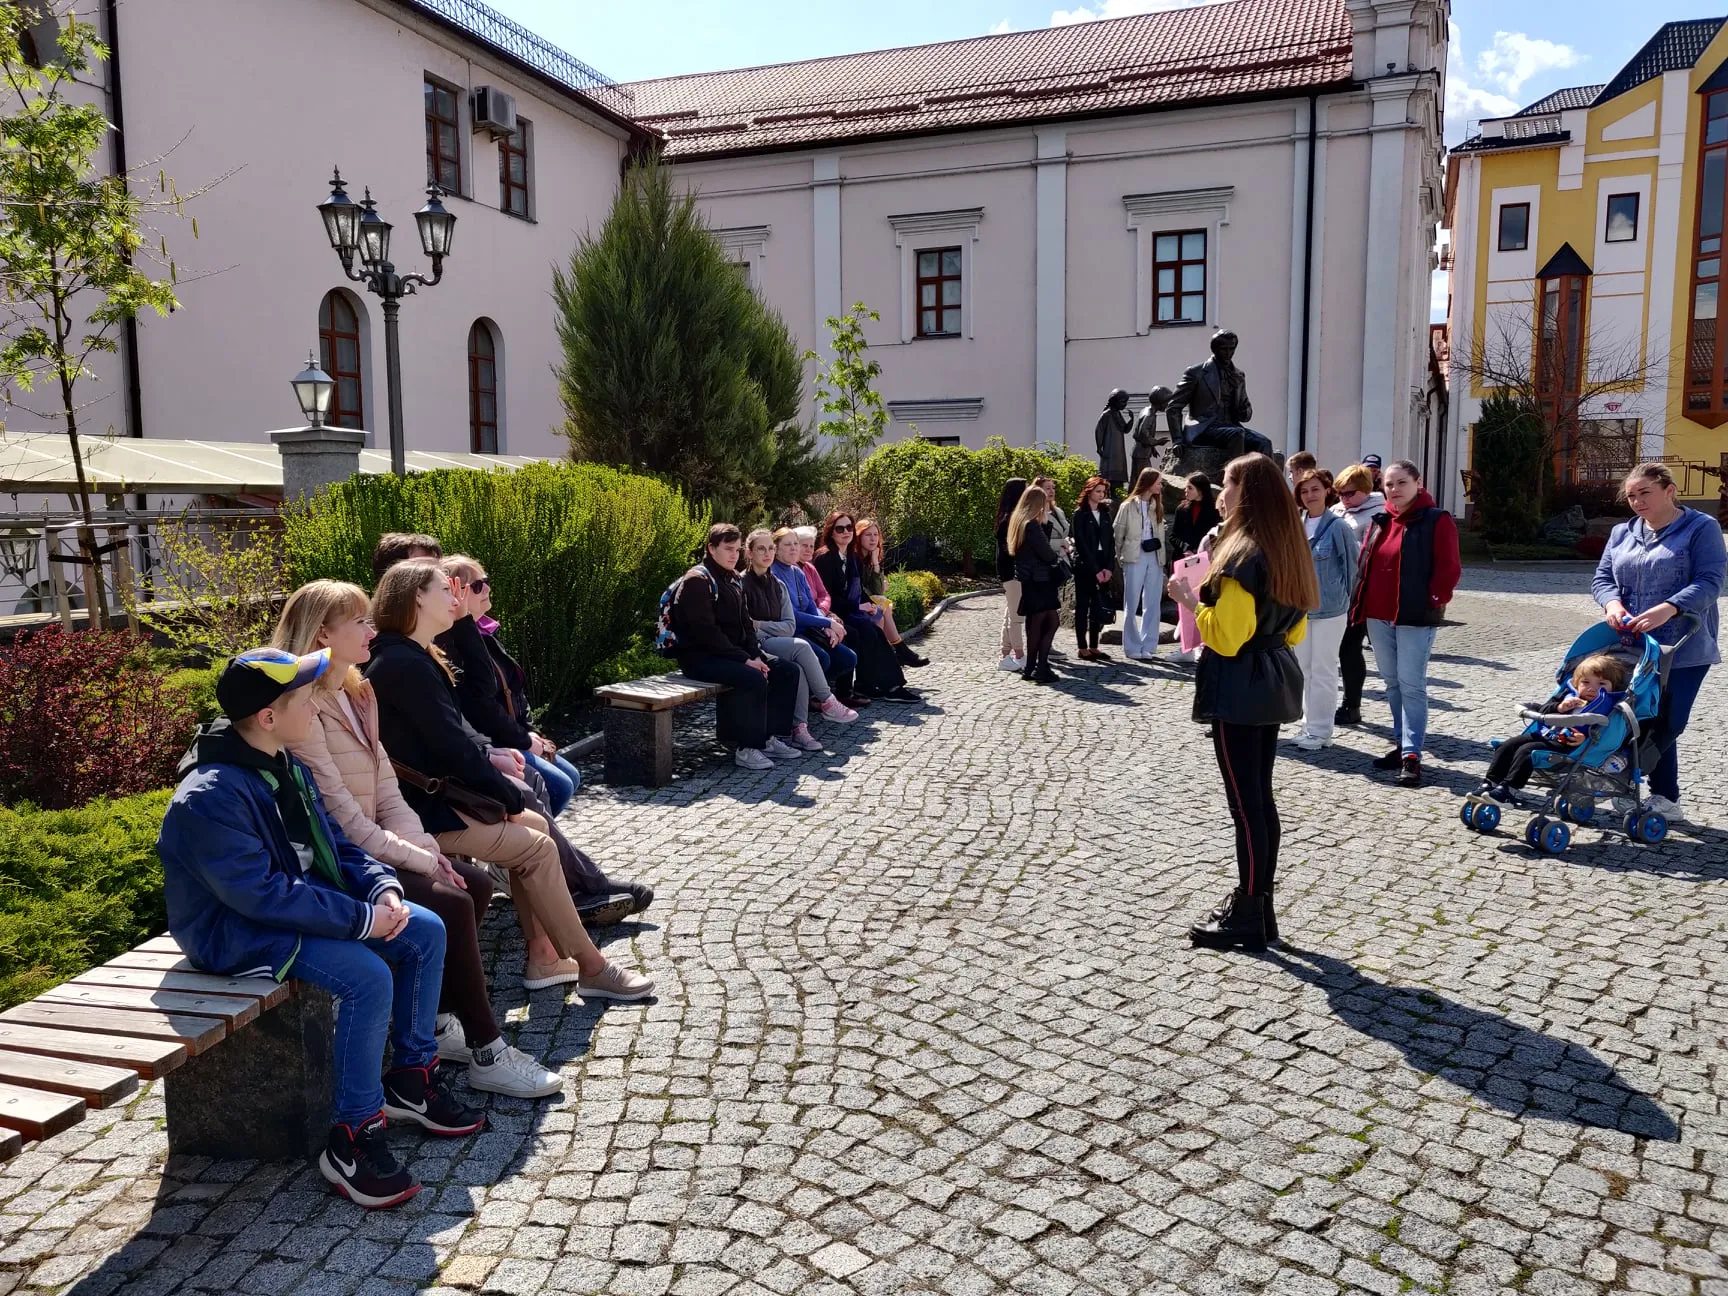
638, 725
149, 1015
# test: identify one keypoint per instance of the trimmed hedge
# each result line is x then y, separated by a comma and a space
77, 887
947, 494
579, 553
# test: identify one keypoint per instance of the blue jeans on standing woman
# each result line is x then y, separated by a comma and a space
384, 987
1401, 656
562, 779
1683, 685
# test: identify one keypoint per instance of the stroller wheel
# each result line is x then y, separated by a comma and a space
1579, 812
1533, 832
1486, 819
1652, 827
1555, 837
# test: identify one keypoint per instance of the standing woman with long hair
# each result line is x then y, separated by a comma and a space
1195, 516
1409, 570
1139, 536
1094, 565
1252, 611
1013, 624
1334, 548
1036, 567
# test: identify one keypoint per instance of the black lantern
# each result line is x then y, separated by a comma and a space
341, 220
313, 388
437, 226
374, 236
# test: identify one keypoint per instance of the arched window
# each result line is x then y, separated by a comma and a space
482, 389
339, 356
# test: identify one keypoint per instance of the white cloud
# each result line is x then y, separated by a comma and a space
1515, 58
1439, 293
1002, 28
1467, 104
1118, 9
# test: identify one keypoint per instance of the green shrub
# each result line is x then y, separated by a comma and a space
909, 605
638, 660
198, 685
929, 585
77, 887
947, 494
578, 553
1508, 463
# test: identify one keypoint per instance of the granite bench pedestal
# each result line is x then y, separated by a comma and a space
638, 726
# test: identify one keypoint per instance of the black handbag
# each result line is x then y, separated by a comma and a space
1151, 544
461, 798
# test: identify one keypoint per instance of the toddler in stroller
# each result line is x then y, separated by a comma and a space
1592, 744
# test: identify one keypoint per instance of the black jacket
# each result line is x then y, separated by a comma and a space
1094, 543
1261, 684
1188, 527
837, 575
481, 688
420, 724
1037, 560
709, 617
1004, 559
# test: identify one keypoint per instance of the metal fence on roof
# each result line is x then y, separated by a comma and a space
495, 29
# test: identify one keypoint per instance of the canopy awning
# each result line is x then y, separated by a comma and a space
41, 463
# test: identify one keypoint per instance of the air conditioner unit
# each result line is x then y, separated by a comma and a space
494, 112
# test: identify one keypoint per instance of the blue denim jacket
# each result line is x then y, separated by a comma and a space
1335, 549
1681, 564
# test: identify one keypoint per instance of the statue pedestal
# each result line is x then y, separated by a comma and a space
1211, 460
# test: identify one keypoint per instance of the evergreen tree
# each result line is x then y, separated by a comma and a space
673, 366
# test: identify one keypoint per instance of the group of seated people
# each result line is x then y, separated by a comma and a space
375, 776
784, 618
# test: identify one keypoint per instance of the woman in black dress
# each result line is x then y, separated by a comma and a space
1094, 564
1038, 568
837, 563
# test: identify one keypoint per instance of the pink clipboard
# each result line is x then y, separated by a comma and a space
1192, 569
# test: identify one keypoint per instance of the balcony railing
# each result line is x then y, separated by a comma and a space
538, 53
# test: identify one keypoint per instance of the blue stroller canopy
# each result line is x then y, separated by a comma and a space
1644, 690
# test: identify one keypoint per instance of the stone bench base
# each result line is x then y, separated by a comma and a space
638, 726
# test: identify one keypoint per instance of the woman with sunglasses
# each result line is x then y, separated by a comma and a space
1357, 504
842, 573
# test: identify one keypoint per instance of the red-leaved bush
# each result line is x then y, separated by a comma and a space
86, 715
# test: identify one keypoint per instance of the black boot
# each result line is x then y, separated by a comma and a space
1243, 927
1272, 937
909, 658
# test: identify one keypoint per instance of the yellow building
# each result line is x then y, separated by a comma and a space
1587, 265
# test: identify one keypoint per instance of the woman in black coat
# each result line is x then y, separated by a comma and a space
1039, 569
837, 563
1013, 624
1094, 564
1193, 518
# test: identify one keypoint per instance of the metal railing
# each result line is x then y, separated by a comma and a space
495, 29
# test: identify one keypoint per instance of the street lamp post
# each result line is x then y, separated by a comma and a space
357, 230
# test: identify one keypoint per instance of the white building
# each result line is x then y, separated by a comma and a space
1083, 204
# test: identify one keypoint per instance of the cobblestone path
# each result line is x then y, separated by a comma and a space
928, 1023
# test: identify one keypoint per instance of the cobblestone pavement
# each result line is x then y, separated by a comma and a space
928, 1022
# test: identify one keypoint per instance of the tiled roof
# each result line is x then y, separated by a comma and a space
1675, 45
1491, 143
1561, 100
1231, 50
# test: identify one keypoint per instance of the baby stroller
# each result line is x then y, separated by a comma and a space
1601, 780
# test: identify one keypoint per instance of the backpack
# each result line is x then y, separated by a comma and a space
665, 639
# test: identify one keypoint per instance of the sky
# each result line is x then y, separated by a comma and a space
1504, 53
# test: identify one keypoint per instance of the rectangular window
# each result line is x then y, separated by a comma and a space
939, 440
443, 138
1514, 227
1706, 339
513, 171
1622, 219
939, 292
1559, 366
1179, 277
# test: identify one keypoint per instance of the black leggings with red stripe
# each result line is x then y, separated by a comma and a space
1245, 756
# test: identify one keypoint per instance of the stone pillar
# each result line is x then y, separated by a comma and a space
264, 1092
315, 457
638, 747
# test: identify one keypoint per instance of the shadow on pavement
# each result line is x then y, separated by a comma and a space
1510, 1067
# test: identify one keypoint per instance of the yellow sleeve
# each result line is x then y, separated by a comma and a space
1230, 622
1296, 634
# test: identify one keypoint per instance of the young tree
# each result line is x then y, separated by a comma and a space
69, 236
673, 366
856, 417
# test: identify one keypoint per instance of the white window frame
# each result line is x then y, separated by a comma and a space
1151, 214
917, 232
746, 245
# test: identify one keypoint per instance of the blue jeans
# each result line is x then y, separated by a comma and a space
838, 661
1683, 685
382, 985
1401, 656
562, 779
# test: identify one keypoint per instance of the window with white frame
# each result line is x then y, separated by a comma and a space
1177, 254
938, 270
745, 248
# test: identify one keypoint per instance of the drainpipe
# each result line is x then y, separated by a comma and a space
117, 111
1307, 268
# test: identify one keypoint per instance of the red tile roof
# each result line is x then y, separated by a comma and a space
1232, 50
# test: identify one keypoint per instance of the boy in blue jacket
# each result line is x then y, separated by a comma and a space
261, 882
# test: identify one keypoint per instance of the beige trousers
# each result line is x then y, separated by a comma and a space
1013, 624
543, 904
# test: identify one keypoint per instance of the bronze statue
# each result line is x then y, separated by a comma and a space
1113, 425
1149, 431
1216, 393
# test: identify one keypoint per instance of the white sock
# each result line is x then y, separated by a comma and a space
487, 1054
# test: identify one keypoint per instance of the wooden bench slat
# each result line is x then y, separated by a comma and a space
37, 1114
98, 1086
267, 992
195, 1034
233, 1010
11, 1144
166, 960
658, 692
150, 1058
163, 944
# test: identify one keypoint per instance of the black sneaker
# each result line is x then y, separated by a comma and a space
641, 895
360, 1166
604, 908
422, 1095
1390, 761
1410, 772
1346, 715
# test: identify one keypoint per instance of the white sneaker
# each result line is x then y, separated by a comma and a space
804, 740
1308, 742
511, 1071
836, 710
750, 758
452, 1039
778, 750
1012, 663
1669, 810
